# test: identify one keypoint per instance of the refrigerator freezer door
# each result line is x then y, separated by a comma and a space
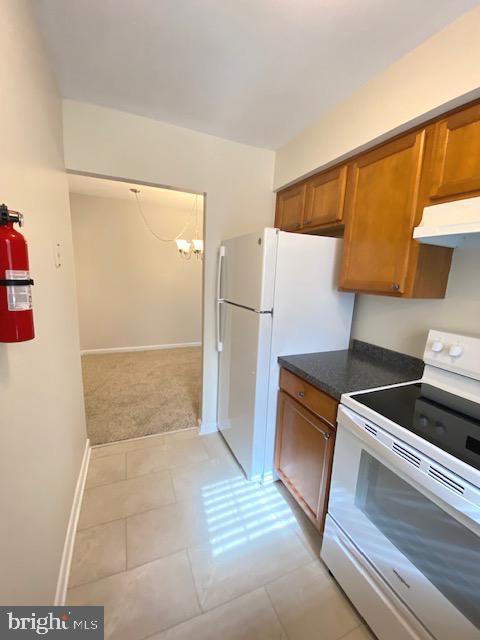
243, 384
248, 270
310, 315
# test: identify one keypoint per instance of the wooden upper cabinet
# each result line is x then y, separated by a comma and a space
456, 159
377, 198
381, 207
290, 208
325, 198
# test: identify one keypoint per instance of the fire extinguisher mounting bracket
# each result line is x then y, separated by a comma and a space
16, 283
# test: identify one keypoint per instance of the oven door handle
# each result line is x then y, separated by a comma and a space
454, 493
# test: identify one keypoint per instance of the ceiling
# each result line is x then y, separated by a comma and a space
104, 188
254, 71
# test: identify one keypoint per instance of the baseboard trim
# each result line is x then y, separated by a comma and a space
207, 427
147, 347
64, 573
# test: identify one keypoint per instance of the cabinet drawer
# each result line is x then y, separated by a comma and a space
318, 402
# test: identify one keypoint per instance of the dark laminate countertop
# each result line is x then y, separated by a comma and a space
363, 366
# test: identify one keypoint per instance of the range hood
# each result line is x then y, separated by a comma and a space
451, 224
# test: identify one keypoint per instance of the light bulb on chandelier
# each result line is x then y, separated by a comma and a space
185, 248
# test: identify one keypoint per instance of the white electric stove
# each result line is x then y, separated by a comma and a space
402, 534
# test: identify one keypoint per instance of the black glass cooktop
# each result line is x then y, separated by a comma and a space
444, 419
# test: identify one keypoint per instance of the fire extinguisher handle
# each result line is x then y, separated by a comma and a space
6, 216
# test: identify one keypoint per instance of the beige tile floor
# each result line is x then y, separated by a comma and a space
177, 545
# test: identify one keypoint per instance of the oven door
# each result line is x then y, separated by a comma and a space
415, 522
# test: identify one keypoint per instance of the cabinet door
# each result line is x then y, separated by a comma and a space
303, 456
381, 205
325, 198
456, 165
290, 208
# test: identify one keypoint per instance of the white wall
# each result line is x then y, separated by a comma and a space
42, 432
236, 178
436, 73
133, 290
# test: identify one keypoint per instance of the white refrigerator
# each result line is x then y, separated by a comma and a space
276, 295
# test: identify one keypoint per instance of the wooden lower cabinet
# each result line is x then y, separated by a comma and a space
303, 456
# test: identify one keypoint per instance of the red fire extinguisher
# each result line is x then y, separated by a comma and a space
16, 315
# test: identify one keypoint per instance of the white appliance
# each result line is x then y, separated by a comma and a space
402, 533
451, 224
276, 295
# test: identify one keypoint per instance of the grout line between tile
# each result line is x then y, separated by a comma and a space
84, 584
360, 623
152, 473
197, 595
126, 545
287, 573
239, 595
277, 615
198, 615
185, 500
172, 468
156, 633
130, 515
351, 630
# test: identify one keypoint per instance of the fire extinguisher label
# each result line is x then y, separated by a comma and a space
18, 298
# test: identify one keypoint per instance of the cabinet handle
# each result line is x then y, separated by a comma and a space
301, 394
308, 222
395, 286
296, 225
326, 435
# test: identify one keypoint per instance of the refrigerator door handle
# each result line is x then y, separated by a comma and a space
217, 322
219, 300
221, 256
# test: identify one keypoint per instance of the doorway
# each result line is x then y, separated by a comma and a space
139, 268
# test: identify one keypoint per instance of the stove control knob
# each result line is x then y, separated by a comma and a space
455, 350
437, 346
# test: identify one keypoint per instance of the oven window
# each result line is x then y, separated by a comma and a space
444, 550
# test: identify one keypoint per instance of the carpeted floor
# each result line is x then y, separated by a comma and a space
128, 395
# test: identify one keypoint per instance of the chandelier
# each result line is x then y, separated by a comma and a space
194, 247
186, 248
